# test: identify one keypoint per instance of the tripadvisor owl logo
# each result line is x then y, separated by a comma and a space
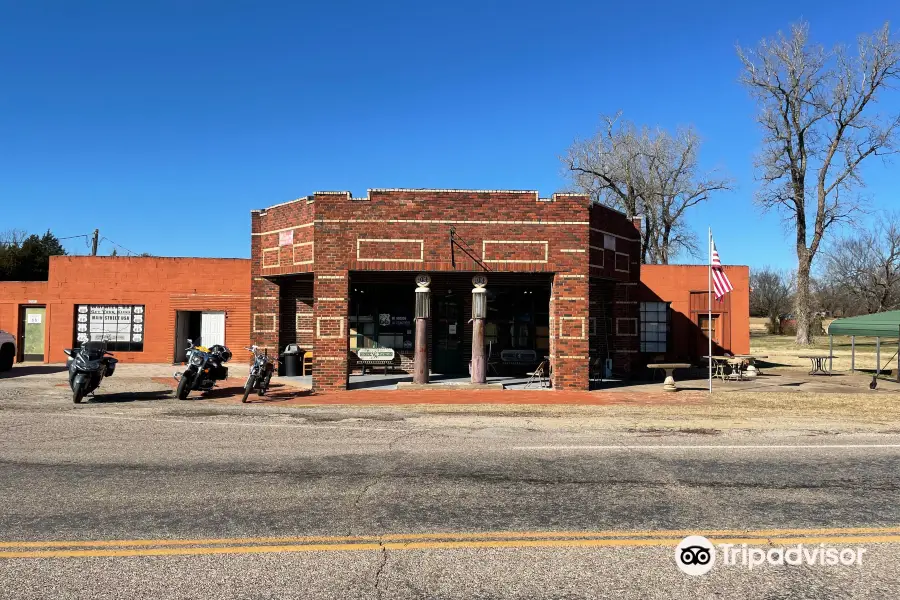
695, 555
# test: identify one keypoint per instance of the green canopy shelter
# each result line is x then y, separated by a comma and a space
879, 325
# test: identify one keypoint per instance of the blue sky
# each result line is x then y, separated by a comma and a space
163, 124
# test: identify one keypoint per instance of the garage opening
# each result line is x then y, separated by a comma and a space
205, 328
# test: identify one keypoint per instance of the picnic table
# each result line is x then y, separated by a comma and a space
669, 368
818, 363
720, 362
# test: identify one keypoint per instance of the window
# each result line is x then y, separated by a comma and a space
654, 326
622, 262
609, 242
120, 326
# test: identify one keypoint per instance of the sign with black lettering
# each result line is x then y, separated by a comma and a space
375, 354
120, 326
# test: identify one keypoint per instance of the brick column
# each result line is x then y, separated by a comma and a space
264, 310
569, 312
331, 333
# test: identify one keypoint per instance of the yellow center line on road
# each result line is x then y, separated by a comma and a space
440, 545
162, 547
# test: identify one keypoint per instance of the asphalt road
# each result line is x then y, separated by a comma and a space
184, 500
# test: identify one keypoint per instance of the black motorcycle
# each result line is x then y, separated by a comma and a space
88, 366
205, 366
260, 373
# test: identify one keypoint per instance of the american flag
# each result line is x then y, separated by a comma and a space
721, 285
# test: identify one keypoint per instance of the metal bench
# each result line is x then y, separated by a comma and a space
375, 357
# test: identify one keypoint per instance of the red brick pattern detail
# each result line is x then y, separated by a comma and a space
389, 250
337, 223
515, 251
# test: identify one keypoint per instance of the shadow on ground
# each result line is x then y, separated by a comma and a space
117, 397
26, 370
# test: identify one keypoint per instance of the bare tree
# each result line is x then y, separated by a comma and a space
770, 295
13, 237
815, 110
645, 173
866, 265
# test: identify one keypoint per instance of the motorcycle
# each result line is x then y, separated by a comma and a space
205, 366
87, 367
260, 373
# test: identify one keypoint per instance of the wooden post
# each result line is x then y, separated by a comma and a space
852, 353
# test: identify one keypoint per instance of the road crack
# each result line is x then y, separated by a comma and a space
380, 569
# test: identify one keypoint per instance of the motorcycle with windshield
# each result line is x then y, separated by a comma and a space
87, 366
205, 366
260, 372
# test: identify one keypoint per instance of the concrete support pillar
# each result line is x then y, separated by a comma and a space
423, 312
421, 372
479, 313
479, 368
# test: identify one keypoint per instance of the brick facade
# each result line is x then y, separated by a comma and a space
324, 239
162, 285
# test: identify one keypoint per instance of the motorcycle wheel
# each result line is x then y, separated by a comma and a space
248, 387
184, 386
79, 388
264, 387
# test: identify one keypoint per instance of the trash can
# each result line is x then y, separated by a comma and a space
292, 357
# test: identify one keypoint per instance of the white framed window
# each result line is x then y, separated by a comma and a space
654, 326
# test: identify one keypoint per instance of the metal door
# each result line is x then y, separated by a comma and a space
212, 328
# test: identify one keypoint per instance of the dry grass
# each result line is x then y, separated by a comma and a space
783, 351
805, 413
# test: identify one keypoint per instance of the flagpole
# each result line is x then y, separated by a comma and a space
709, 300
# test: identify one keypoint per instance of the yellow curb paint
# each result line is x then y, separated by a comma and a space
448, 536
438, 545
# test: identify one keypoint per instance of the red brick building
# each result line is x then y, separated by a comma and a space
145, 307
682, 289
334, 273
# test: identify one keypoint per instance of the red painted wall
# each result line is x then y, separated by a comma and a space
162, 285
675, 284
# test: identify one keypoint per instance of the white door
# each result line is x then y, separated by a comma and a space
212, 328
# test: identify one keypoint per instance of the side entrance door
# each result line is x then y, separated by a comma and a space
447, 335
212, 328
33, 322
704, 325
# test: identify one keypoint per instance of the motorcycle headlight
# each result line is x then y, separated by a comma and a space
197, 360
